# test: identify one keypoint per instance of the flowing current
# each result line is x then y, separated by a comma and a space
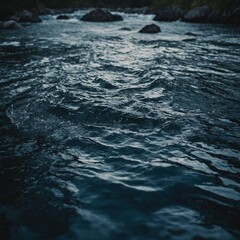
106, 133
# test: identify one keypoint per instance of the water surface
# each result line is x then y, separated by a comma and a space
110, 134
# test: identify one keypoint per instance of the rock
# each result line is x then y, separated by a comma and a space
197, 15
34, 19
206, 15
129, 10
26, 16
152, 28
143, 10
65, 11
190, 34
45, 11
100, 15
125, 29
14, 18
63, 17
10, 25
169, 14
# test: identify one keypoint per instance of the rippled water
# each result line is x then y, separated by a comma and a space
110, 134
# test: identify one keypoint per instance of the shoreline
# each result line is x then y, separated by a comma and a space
203, 14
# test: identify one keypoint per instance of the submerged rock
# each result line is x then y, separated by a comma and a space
197, 15
125, 29
152, 28
63, 17
189, 40
169, 14
99, 15
10, 25
191, 34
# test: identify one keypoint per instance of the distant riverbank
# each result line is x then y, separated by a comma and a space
202, 14
204, 11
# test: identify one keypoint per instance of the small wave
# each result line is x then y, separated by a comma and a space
14, 44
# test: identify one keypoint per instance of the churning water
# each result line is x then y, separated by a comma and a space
111, 134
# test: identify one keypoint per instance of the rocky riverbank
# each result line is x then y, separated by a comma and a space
206, 14
203, 14
14, 22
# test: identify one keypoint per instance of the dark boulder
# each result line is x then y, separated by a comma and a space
198, 15
45, 11
152, 28
64, 11
63, 17
117, 17
26, 16
100, 15
143, 10
206, 15
10, 25
129, 10
169, 14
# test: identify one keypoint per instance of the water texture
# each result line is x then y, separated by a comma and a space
111, 134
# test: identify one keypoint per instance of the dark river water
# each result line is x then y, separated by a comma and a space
111, 134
